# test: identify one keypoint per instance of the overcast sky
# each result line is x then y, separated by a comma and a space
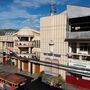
27, 13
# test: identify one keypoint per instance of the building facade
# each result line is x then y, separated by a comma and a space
53, 45
25, 43
28, 43
65, 39
7, 41
78, 37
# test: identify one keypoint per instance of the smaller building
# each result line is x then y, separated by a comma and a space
28, 44
7, 41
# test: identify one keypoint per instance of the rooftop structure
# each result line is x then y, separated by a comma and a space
53, 9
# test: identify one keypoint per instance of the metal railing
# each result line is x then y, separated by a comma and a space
78, 35
77, 70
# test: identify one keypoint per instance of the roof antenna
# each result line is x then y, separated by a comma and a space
53, 10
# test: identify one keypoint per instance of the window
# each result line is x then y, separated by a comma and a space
3, 43
10, 44
39, 44
35, 43
84, 46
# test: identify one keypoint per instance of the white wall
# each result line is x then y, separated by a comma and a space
54, 28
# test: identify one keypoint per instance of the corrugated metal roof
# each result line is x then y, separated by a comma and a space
11, 77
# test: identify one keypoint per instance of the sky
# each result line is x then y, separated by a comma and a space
16, 14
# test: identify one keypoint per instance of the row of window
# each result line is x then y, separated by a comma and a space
8, 44
84, 46
78, 57
51, 54
37, 43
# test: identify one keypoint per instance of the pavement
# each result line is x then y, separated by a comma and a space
13, 69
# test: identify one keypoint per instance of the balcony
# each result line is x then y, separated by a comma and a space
25, 35
84, 35
25, 44
80, 56
26, 55
79, 63
81, 60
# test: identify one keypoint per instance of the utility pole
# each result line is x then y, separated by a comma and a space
53, 10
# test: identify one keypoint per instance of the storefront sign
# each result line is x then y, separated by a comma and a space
79, 63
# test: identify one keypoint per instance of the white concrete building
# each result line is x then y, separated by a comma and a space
78, 37
53, 45
28, 43
7, 41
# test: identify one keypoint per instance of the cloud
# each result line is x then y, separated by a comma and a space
15, 12
9, 23
17, 18
31, 3
37, 3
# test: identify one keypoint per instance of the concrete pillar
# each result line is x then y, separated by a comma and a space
41, 68
33, 68
29, 39
18, 64
70, 28
5, 44
70, 48
15, 62
80, 57
78, 49
22, 65
29, 50
29, 67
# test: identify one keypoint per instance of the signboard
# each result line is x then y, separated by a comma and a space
79, 63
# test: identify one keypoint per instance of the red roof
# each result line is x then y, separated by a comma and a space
11, 77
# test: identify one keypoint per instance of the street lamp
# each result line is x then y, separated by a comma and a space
51, 46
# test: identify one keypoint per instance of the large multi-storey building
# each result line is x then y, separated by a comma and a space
53, 45
65, 40
78, 37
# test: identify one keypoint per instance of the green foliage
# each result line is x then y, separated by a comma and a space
42, 74
0, 62
4, 53
57, 79
9, 61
